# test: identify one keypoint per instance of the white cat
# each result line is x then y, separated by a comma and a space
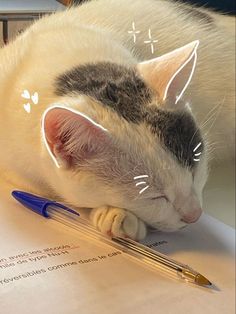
84, 119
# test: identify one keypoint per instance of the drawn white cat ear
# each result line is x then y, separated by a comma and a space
71, 137
170, 74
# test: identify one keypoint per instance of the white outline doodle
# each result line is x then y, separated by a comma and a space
43, 129
133, 32
197, 154
150, 41
141, 182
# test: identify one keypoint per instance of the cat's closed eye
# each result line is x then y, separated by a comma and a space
160, 197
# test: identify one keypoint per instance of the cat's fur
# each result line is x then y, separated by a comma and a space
49, 58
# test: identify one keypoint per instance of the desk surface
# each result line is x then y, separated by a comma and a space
29, 6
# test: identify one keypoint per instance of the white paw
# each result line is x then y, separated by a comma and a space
118, 222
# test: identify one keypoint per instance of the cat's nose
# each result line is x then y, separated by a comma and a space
192, 216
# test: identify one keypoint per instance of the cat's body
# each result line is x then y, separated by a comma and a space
99, 32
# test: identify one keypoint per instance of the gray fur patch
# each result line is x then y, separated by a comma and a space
177, 131
116, 86
123, 90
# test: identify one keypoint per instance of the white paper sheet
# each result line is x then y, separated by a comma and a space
48, 268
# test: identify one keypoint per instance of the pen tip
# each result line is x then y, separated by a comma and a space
203, 281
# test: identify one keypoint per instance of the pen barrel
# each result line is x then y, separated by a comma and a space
132, 248
148, 253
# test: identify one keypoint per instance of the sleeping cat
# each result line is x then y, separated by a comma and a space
97, 109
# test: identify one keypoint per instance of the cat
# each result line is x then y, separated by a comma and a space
101, 109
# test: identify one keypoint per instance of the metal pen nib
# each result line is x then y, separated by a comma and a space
195, 277
202, 281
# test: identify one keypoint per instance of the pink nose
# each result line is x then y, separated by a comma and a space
193, 216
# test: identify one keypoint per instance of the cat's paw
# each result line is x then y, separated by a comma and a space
118, 222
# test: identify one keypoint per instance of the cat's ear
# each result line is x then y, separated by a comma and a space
170, 74
71, 137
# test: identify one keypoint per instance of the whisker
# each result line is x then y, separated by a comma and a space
198, 145
146, 187
140, 183
142, 176
214, 116
210, 114
211, 147
210, 117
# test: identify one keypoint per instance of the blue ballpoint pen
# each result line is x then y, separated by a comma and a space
135, 250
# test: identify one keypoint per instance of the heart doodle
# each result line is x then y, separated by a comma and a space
27, 107
35, 98
26, 94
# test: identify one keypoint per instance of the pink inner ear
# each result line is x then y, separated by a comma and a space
181, 80
170, 74
72, 136
52, 124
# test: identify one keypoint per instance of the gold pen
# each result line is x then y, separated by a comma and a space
131, 248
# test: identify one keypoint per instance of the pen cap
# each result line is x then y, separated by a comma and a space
36, 203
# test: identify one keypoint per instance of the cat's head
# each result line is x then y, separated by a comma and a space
122, 136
